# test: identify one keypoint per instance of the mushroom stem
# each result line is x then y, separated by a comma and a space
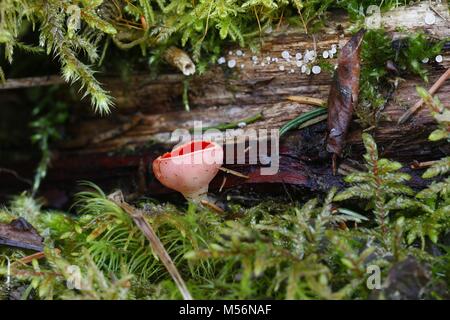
198, 195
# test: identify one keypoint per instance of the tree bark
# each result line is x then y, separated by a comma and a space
117, 151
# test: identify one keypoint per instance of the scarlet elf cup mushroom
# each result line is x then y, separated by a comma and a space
189, 168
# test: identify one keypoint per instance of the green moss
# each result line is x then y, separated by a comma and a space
377, 81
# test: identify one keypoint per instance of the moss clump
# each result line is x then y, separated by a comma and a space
380, 58
79, 33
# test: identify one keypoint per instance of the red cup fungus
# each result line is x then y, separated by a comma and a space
189, 168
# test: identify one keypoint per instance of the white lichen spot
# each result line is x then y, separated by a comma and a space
430, 18
221, 60
439, 59
303, 70
285, 55
231, 63
310, 56
316, 69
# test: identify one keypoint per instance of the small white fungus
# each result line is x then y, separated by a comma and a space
425, 60
285, 55
262, 64
439, 59
255, 58
291, 71
231, 63
325, 54
281, 68
230, 53
299, 63
221, 60
242, 66
430, 18
316, 70
298, 56
242, 124
239, 53
333, 48
303, 69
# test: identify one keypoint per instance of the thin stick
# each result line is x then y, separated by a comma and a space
307, 100
31, 82
439, 14
223, 183
436, 86
234, 173
421, 165
34, 256
212, 206
156, 244
16, 175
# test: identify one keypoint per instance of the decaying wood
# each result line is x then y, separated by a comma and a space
436, 86
19, 233
180, 60
224, 95
31, 82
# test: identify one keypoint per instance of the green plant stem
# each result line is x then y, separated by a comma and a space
304, 117
235, 124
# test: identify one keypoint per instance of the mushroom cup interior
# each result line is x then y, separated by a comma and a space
188, 148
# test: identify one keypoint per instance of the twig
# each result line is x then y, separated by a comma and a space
35, 256
117, 131
436, 86
307, 100
156, 244
211, 206
438, 13
31, 82
234, 173
416, 165
16, 175
224, 181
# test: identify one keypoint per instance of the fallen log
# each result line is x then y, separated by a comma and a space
119, 150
